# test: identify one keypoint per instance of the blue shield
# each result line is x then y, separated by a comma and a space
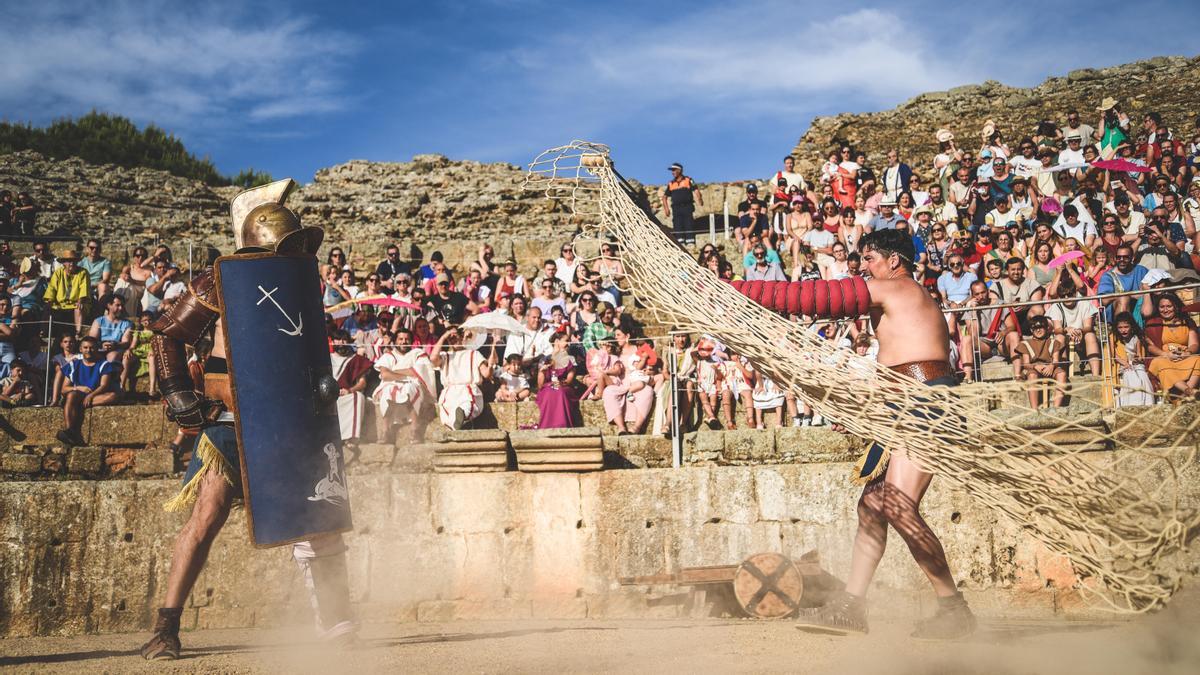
287, 425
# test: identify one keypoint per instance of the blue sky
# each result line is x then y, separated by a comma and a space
724, 88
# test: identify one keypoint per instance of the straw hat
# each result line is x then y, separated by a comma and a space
989, 128
1107, 104
944, 135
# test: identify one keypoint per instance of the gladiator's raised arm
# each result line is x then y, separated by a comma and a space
190, 318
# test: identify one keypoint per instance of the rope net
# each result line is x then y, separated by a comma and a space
1099, 485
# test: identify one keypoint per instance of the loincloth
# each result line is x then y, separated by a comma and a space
216, 450
873, 463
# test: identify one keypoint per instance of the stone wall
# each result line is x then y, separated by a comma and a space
84, 556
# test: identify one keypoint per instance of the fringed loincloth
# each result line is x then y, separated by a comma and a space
873, 463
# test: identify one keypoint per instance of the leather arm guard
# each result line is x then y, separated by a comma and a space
189, 319
840, 299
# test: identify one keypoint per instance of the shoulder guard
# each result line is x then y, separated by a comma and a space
194, 313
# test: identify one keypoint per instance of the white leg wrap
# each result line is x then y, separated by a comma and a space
322, 564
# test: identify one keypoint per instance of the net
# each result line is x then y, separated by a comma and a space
1100, 485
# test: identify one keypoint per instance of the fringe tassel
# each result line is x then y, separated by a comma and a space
211, 459
880, 466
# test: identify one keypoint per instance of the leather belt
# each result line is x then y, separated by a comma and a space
216, 387
925, 371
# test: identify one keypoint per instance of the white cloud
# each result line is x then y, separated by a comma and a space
183, 66
744, 60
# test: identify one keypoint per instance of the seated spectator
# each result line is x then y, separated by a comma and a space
806, 269
1160, 251
363, 320
390, 266
762, 268
680, 353
987, 331
840, 267
98, 267
753, 222
767, 397
90, 382
423, 336
8, 335
449, 307
24, 214
68, 352
511, 283
581, 282
1073, 320
144, 355
16, 389
739, 378
463, 369
476, 291
114, 333
513, 381
1129, 354
430, 270
557, 401
1042, 357
820, 241
165, 284
602, 328
549, 296
954, 285
403, 291
566, 265
372, 288
405, 391
1174, 345
549, 272
67, 293
1017, 287
887, 217
1125, 276
628, 398
602, 363
611, 270
351, 372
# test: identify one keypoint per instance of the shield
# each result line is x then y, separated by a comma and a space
283, 397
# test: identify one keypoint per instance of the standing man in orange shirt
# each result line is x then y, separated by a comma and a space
678, 203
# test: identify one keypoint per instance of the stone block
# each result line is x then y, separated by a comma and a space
593, 415
125, 425
817, 444
703, 446
415, 457
749, 445
505, 415
13, 462
643, 451
527, 415
154, 462
85, 460
376, 453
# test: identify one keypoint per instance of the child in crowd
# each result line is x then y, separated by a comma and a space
1129, 351
739, 379
1042, 357
514, 383
766, 397
16, 390
708, 380
600, 361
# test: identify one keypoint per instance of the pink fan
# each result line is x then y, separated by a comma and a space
1065, 258
1120, 164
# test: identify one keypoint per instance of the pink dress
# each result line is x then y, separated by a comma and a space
619, 403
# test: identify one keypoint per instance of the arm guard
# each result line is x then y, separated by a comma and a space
188, 320
839, 299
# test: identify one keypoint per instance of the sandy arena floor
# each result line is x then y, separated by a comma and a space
1162, 643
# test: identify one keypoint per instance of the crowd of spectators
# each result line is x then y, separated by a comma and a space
1036, 220
1063, 213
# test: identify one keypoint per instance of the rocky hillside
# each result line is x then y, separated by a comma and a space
428, 202
1169, 85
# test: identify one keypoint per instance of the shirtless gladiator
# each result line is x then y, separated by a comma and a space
913, 340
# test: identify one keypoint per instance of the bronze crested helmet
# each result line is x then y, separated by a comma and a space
263, 224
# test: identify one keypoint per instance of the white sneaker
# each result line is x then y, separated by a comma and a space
806, 421
797, 421
759, 426
818, 421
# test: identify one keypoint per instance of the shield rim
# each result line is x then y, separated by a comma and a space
237, 416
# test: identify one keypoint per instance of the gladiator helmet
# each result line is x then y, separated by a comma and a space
261, 223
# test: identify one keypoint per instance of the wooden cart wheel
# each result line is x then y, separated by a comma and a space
768, 586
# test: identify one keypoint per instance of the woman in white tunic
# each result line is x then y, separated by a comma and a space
463, 368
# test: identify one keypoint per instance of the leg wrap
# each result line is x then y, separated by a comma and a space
322, 564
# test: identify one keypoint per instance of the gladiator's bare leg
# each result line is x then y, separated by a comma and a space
196, 538
896, 502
